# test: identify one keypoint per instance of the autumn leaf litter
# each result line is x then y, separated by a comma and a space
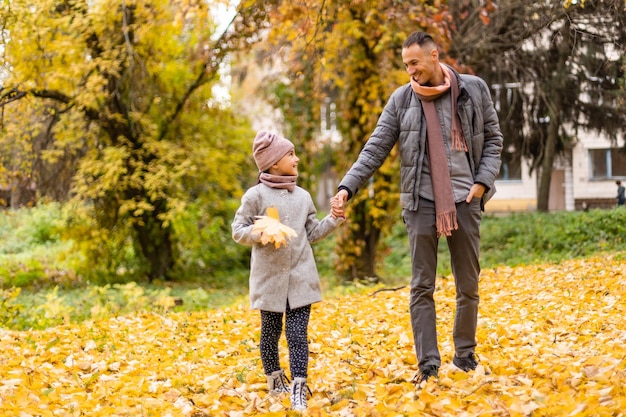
551, 343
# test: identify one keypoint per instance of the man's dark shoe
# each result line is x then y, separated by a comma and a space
425, 373
465, 364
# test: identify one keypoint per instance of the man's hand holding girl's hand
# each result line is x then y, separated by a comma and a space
337, 204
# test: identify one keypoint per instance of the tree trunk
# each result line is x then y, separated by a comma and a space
366, 237
370, 255
155, 242
545, 176
556, 91
16, 194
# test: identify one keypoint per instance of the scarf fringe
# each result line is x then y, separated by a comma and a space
446, 223
458, 141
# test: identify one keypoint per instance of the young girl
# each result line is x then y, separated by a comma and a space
283, 279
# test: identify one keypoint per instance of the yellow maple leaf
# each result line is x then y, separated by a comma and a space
273, 213
272, 230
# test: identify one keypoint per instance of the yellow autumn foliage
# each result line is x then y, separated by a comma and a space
552, 342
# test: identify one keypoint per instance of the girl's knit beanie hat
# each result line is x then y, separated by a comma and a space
269, 148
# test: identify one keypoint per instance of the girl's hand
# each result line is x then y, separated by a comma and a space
336, 208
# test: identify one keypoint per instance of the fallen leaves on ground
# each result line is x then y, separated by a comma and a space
552, 342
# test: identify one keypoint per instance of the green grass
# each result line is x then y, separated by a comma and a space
39, 287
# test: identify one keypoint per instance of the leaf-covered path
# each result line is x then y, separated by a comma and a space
552, 342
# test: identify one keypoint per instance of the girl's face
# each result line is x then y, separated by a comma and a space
288, 165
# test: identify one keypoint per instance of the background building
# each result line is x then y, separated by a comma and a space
584, 177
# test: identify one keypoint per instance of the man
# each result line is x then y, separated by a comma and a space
450, 145
621, 196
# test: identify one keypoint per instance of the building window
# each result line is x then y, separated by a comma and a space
607, 163
511, 168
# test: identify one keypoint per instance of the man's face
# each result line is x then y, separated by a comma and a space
422, 63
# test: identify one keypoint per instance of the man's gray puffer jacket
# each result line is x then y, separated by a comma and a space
403, 121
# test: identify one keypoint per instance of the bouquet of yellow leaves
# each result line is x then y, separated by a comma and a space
272, 230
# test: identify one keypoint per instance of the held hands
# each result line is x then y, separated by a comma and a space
337, 204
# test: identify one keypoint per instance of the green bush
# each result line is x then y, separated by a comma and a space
99, 255
25, 229
10, 308
31, 246
205, 245
520, 239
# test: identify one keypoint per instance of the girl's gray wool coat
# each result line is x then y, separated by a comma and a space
288, 273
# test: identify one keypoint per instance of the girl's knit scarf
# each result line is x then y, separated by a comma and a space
445, 206
287, 182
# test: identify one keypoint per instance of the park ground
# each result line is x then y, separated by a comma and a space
552, 342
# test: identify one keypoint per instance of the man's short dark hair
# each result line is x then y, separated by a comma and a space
420, 38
